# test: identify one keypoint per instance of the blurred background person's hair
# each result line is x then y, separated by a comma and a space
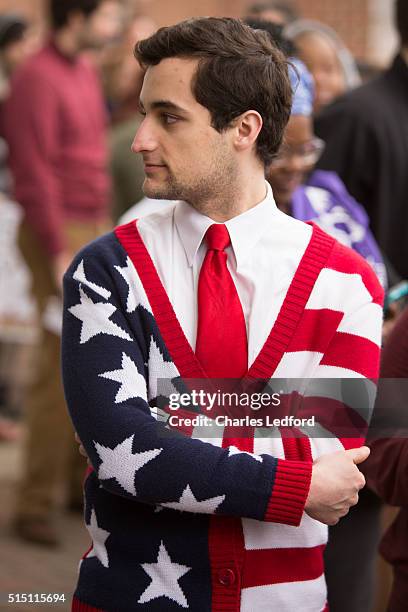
280, 12
14, 47
332, 65
60, 11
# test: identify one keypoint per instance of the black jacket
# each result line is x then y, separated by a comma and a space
366, 134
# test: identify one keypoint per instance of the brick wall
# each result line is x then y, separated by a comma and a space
348, 17
354, 20
32, 8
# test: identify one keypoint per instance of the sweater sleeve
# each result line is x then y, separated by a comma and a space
32, 125
107, 348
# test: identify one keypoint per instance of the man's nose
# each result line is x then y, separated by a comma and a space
144, 139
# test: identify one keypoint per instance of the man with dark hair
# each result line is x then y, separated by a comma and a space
279, 12
61, 10
210, 515
370, 151
55, 125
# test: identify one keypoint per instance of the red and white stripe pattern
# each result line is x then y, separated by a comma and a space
284, 564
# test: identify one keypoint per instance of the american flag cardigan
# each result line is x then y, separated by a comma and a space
178, 522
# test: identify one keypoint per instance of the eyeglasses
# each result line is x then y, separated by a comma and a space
309, 152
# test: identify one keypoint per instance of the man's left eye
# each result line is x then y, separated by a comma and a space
169, 119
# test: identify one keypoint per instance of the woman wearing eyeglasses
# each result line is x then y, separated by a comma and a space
317, 195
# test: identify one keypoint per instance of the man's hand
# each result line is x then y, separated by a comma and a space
82, 449
336, 481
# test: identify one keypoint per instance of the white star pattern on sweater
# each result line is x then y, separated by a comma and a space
165, 576
132, 383
233, 450
95, 318
160, 369
99, 537
80, 276
136, 288
188, 503
120, 463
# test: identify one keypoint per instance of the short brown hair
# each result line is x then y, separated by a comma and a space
239, 69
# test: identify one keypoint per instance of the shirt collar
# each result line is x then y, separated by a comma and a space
245, 230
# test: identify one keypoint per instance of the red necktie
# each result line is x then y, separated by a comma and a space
221, 347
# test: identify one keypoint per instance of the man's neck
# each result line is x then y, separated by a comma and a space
245, 193
67, 44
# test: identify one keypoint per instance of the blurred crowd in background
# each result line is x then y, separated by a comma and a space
68, 115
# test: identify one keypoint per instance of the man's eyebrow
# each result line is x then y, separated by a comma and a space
165, 105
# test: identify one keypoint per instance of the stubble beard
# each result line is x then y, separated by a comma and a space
171, 190
213, 192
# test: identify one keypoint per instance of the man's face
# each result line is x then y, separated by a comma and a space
103, 26
185, 158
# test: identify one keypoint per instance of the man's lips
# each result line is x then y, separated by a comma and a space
150, 167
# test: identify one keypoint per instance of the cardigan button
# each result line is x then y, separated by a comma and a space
226, 577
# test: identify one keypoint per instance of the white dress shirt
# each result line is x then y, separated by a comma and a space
266, 248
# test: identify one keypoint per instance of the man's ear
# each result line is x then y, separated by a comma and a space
246, 130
